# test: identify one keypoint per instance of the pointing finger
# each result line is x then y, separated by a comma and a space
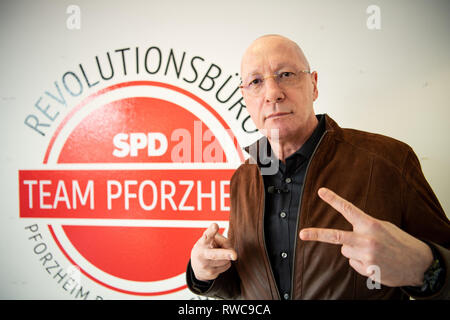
209, 234
220, 254
350, 212
218, 263
328, 235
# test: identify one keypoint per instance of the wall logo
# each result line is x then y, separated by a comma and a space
131, 178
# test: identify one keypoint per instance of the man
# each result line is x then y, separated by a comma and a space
346, 211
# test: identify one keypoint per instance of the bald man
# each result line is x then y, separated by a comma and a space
346, 214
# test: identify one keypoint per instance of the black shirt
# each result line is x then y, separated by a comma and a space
282, 204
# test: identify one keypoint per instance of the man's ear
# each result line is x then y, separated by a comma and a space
314, 83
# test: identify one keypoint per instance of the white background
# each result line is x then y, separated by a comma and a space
394, 81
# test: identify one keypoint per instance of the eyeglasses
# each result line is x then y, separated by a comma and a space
284, 79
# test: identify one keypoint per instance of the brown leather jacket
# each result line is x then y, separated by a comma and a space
380, 175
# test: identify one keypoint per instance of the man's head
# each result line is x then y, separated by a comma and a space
287, 107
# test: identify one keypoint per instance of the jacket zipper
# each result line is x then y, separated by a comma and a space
298, 214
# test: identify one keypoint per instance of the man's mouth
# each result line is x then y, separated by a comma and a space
277, 115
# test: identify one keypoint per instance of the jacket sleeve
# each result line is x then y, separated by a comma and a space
424, 218
223, 287
227, 284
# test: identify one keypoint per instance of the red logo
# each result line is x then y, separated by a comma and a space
131, 178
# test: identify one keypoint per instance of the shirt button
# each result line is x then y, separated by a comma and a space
284, 255
288, 180
286, 296
282, 214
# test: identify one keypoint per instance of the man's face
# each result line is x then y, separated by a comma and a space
289, 108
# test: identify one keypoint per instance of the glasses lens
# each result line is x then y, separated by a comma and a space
287, 78
284, 79
255, 85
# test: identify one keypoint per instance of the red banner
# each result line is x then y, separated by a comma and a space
125, 194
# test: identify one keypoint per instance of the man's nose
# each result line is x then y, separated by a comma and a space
273, 91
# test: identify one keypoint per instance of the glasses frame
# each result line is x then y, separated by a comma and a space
274, 76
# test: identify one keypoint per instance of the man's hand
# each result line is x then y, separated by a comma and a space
212, 254
401, 258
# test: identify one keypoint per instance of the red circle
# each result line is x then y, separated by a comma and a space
114, 266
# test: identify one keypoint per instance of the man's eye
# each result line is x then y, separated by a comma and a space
286, 74
255, 82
